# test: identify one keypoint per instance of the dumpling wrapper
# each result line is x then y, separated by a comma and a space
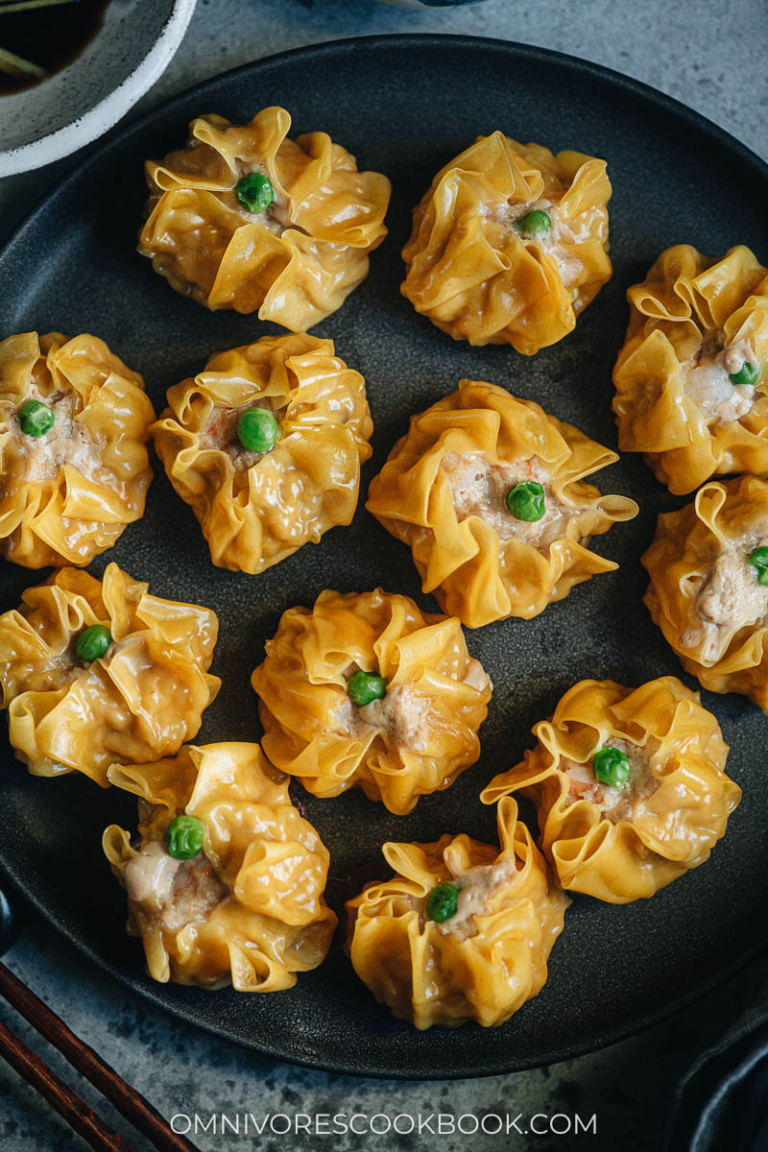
430, 974
294, 264
472, 572
471, 272
421, 738
685, 299
145, 697
686, 543
67, 496
269, 864
253, 517
671, 830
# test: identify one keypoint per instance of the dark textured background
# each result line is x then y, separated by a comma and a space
73, 268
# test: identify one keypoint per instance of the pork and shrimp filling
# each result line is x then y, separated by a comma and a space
515, 500
245, 433
402, 716
540, 222
618, 779
257, 199
721, 379
253, 196
172, 892
48, 436
454, 905
732, 594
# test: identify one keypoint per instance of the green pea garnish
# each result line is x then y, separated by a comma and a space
184, 837
365, 687
255, 192
442, 902
611, 767
36, 418
257, 430
747, 374
759, 561
535, 224
93, 643
526, 501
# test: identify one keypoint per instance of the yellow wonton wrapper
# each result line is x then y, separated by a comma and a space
144, 698
685, 298
419, 738
269, 862
430, 974
66, 496
295, 263
473, 573
679, 559
475, 277
671, 830
256, 509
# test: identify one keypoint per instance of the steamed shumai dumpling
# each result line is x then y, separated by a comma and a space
245, 218
98, 671
463, 931
262, 490
226, 879
708, 566
74, 423
691, 386
488, 491
366, 690
629, 785
509, 244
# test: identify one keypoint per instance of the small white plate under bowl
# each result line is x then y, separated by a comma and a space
126, 56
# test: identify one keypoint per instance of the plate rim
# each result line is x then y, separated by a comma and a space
127, 125
115, 139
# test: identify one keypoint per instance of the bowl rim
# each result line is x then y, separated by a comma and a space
82, 130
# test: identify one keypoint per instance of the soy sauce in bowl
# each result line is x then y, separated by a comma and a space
40, 37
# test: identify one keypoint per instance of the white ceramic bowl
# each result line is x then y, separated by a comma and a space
124, 59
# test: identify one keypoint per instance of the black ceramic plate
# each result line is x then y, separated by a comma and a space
404, 106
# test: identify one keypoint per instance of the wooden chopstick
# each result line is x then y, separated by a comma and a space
126, 1099
67, 1103
26, 5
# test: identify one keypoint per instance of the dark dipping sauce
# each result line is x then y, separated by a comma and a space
48, 37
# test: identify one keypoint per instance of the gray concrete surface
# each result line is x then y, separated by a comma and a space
708, 55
